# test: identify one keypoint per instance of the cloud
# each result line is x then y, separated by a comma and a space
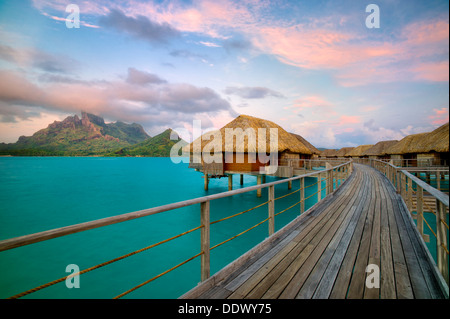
186, 54
210, 44
413, 52
83, 23
252, 92
312, 101
34, 58
140, 27
349, 119
237, 44
141, 77
316, 132
418, 52
440, 116
143, 97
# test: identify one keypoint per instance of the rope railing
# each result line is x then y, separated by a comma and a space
54, 282
341, 172
404, 183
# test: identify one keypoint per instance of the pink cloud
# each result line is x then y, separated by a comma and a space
349, 119
303, 47
423, 33
358, 60
163, 103
83, 23
311, 101
319, 43
432, 71
440, 116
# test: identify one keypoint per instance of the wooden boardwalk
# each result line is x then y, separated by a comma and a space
324, 252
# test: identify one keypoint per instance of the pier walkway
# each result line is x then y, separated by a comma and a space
325, 253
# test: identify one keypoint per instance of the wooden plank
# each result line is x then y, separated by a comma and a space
266, 281
375, 245
357, 283
292, 288
326, 284
387, 279
402, 281
315, 276
418, 283
287, 244
341, 284
425, 260
317, 273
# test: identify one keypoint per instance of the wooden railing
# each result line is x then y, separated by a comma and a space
412, 188
332, 176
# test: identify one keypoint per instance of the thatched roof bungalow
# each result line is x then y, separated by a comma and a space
378, 151
344, 151
239, 148
311, 147
329, 153
422, 149
358, 152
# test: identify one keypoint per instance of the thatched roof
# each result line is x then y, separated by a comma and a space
329, 153
435, 141
359, 150
286, 141
344, 151
306, 143
380, 148
405, 144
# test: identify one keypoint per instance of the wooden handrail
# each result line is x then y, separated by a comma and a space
204, 202
401, 178
443, 198
72, 229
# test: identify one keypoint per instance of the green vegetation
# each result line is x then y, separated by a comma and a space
157, 146
90, 136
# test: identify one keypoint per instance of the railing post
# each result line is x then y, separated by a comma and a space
403, 186
327, 183
419, 210
258, 182
271, 205
410, 182
302, 195
205, 240
438, 180
332, 180
319, 188
339, 177
441, 240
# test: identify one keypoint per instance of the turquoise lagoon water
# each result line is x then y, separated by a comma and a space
42, 193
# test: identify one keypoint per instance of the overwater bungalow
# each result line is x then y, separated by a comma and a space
378, 151
329, 153
344, 151
423, 149
358, 152
246, 146
312, 148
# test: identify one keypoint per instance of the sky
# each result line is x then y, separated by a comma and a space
316, 68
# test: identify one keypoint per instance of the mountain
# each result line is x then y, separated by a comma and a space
89, 135
157, 146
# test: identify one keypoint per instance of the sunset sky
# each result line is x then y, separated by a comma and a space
313, 67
